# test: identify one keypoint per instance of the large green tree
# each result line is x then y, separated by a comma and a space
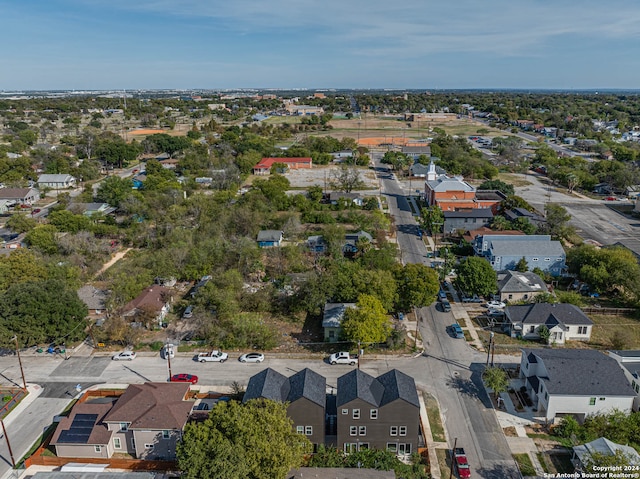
114, 190
367, 323
476, 276
251, 441
41, 312
417, 285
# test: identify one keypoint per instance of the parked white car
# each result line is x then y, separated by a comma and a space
251, 358
495, 304
124, 356
168, 351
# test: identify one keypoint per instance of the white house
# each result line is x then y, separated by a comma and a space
565, 322
56, 182
630, 362
577, 382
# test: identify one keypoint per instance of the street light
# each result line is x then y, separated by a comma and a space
24, 382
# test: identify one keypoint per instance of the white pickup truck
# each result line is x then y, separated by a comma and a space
343, 357
213, 356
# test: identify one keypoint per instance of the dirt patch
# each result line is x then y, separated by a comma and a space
510, 431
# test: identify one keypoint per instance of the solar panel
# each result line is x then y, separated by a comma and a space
80, 429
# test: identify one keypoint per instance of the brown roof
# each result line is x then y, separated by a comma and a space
152, 298
99, 433
152, 406
18, 193
470, 235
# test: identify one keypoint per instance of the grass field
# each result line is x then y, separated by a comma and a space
433, 413
525, 464
605, 328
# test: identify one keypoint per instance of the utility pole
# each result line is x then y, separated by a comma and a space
24, 382
489, 348
493, 348
168, 349
6, 438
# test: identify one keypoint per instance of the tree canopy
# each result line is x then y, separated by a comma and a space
417, 285
476, 276
367, 323
242, 441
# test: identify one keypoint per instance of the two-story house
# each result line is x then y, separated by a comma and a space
146, 421
565, 322
466, 219
576, 382
630, 362
519, 286
305, 396
377, 413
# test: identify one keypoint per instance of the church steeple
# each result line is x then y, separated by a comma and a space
431, 174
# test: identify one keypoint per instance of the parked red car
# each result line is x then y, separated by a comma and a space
184, 378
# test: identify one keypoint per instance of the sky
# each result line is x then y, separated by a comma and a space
319, 44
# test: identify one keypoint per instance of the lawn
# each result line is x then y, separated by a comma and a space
444, 462
607, 327
433, 413
525, 464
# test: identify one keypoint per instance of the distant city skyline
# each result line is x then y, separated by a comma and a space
288, 44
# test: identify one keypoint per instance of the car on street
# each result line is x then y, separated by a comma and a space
442, 294
456, 331
462, 465
124, 356
495, 304
36, 211
251, 358
184, 378
445, 305
214, 356
343, 357
611, 198
168, 351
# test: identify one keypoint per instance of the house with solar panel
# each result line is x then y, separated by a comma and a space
377, 413
146, 421
305, 394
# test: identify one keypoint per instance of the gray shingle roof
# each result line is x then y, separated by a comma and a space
268, 384
552, 249
543, 313
334, 314
270, 235
473, 213
398, 385
359, 385
516, 282
308, 384
582, 372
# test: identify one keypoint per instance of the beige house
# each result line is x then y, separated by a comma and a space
515, 286
146, 422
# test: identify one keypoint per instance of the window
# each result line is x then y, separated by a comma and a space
404, 448
124, 426
532, 329
592, 401
362, 431
363, 445
116, 443
393, 431
373, 414
392, 447
350, 447
534, 259
300, 429
582, 330
97, 448
308, 430
148, 446
166, 434
353, 430
547, 259
526, 296
345, 411
510, 296
356, 414
403, 430
601, 399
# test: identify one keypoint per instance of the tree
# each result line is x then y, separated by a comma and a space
557, 220
253, 440
114, 189
432, 219
367, 323
522, 265
21, 223
43, 238
499, 185
116, 151
20, 266
346, 178
41, 312
599, 461
476, 276
417, 285
544, 334
496, 379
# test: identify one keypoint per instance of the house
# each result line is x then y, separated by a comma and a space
464, 219
337, 473
577, 382
23, 196
4, 206
565, 322
269, 238
483, 243
416, 152
264, 166
582, 454
305, 396
332, 318
336, 197
539, 251
95, 299
534, 218
630, 362
146, 421
317, 244
516, 286
90, 209
154, 300
377, 413
304, 110
351, 241
342, 155
56, 182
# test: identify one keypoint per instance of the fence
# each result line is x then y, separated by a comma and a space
610, 311
17, 394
